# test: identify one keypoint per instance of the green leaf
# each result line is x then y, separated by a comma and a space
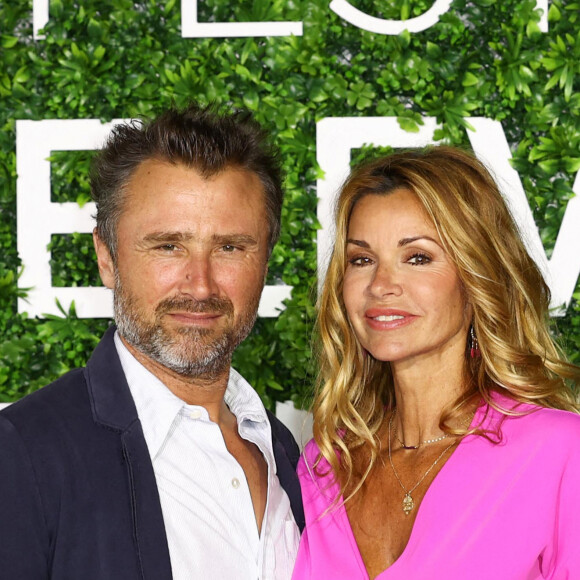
22, 75
554, 14
95, 29
408, 124
469, 80
9, 41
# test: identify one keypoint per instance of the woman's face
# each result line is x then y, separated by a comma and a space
402, 294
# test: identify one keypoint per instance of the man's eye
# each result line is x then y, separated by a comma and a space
167, 247
229, 248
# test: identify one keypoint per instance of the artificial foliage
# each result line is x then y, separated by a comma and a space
120, 59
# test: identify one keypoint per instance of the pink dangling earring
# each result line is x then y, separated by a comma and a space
474, 344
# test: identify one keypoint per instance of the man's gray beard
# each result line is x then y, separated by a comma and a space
191, 356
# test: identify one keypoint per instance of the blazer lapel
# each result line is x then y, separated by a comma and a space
113, 406
148, 525
286, 454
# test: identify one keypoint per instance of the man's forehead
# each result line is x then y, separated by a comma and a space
160, 165
159, 177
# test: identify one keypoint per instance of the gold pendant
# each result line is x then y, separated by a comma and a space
408, 504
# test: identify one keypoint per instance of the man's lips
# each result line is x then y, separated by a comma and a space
388, 318
195, 317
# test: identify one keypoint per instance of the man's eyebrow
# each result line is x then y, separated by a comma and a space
162, 237
221, 239
234, 239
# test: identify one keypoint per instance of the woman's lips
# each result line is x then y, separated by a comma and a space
388, 318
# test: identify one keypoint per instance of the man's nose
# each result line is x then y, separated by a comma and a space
198, 277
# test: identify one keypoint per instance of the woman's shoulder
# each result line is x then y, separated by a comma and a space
318, 482
311, 449
556, 422
313, 465
545, 425
310, 455
508, 405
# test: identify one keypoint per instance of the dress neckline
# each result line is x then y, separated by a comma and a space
478, 418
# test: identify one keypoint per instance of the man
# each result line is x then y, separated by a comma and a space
158, 460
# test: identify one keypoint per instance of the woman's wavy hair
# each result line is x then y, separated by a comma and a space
506, 290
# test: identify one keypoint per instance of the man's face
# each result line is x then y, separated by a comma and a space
190, 268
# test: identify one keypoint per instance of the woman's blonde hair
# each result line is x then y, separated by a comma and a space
507, 292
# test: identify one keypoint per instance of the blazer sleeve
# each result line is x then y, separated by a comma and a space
23, 532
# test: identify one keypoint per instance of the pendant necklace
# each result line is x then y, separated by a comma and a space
408, 502
426, 442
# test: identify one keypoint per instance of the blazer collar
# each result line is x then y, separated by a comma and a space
111, 400
113, 406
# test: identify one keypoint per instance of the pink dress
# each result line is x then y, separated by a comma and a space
507, 511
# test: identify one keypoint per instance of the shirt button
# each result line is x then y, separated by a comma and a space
235, 483
195, 414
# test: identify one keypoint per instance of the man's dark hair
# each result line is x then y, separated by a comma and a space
198, 137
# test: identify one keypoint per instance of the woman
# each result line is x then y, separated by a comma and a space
446, 439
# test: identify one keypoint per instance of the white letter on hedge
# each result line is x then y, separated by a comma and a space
417, 24
39, 17
562, 271
392, 27
543, 5
335, 137
38, 218
191, 28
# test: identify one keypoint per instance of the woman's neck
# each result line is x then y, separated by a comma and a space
422, 393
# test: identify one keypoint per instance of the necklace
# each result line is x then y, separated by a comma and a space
426, 442
408, 503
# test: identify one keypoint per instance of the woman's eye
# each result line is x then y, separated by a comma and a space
419, 259
359, 261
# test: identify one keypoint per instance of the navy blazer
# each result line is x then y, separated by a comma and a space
78, 497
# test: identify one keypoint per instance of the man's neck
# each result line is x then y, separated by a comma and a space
207, 392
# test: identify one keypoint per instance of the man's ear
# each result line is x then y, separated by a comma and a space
105, 261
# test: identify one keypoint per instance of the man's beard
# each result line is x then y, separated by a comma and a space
187, 350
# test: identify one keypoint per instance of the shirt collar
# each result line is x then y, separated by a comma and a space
158, 408
243, 401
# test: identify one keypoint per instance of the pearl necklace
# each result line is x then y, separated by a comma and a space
426, 442
408, 502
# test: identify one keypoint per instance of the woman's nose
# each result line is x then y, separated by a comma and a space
385, 281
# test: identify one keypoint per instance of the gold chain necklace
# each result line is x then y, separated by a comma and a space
408, 503
426, 442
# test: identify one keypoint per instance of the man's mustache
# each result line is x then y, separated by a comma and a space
211, 305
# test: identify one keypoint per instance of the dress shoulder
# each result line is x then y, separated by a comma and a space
311, 450
553, 422
550, 436
556, 427
308, 458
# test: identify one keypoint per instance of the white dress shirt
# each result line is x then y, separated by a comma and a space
205, 498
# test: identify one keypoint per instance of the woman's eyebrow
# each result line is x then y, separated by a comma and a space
360, 243
407, 241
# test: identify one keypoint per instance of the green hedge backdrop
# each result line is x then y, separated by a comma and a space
120, 59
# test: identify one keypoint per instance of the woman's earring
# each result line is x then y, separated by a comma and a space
473, 343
